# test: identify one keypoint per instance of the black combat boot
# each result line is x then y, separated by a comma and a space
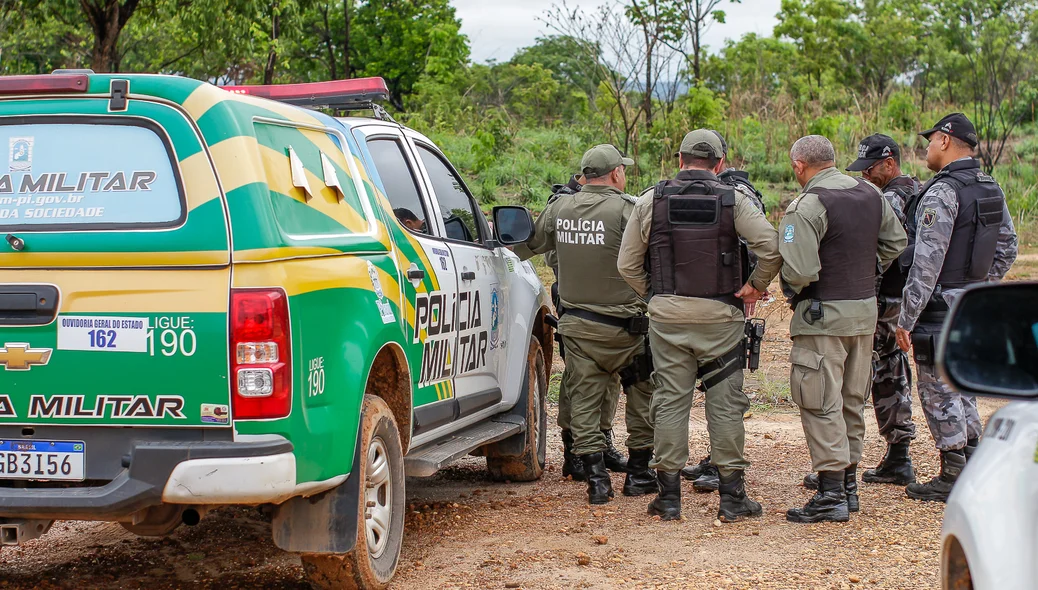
895, 468
708, 479
971, 447
734, 502
850, 487
694, 472
667, 504
599, 484
572, 466
614, 459
829, 503
939, 487
640, 479
811, 481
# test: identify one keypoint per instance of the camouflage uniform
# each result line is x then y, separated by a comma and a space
891, 370
951, 416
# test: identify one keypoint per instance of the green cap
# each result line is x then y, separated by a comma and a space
702, 143
601, 160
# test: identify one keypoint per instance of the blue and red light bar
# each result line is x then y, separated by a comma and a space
342, 94
43, 84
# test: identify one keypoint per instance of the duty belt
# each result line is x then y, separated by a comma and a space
637, 325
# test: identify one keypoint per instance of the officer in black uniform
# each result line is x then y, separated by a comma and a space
960, 232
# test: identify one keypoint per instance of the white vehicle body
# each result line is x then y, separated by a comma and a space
989, 540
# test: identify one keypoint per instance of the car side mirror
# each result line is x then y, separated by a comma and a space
512, 224
989, 345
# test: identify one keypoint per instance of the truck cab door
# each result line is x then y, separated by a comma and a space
481, 303
430, 280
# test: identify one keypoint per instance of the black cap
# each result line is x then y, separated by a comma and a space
872, 149
956, 125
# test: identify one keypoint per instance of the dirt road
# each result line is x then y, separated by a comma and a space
464, 532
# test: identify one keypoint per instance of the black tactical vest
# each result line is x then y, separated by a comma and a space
974, 238
893, 282
848, 249
733, 177
694, 250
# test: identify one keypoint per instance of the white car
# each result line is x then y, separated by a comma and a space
990, 347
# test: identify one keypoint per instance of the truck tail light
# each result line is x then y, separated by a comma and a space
261, 354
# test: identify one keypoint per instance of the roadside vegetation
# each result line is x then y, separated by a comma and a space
632, 72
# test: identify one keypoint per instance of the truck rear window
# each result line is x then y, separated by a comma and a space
87, 176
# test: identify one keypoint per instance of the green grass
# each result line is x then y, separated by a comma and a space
768, 389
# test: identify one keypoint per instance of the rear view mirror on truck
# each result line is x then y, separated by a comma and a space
990, 341
512, 225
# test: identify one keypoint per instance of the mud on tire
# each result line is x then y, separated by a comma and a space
380, 528
528, 466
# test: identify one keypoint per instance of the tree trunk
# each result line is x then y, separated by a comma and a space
272, 57
647, 103
696, 73
107, 19
329, 44
346, 44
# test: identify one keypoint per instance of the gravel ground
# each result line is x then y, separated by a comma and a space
465, 532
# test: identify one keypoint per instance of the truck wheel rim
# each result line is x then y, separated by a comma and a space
378, 497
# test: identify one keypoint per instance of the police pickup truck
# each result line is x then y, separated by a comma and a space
220, 297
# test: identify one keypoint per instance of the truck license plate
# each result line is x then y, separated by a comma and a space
42, 459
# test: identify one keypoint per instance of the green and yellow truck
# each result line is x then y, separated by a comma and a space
215, 296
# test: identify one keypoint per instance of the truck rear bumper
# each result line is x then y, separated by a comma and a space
198, 473
271, 479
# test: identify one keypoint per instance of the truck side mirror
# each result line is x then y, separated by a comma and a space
989, 345
512, 224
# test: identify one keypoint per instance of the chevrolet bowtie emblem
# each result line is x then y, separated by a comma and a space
21, 357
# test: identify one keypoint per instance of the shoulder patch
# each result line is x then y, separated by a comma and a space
629, 198
787, 235
929, 217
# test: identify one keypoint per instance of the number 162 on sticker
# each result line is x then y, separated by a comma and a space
103, 333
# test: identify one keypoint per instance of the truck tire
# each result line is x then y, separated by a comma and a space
380, 511
529, 466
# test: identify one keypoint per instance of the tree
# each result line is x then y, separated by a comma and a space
106, 19
694, 18
608, 37
654, 19
995, 39
885, 45
565, 57
404, 40
818, 28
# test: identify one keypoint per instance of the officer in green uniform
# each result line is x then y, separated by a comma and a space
571, 466
834, 236
683, 246
604, 326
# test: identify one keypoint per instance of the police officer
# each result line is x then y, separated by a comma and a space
704, 475
603, 328
682, 246
831, 237
571, 466
960, 232
879, 161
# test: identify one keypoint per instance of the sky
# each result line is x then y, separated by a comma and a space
497, 28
